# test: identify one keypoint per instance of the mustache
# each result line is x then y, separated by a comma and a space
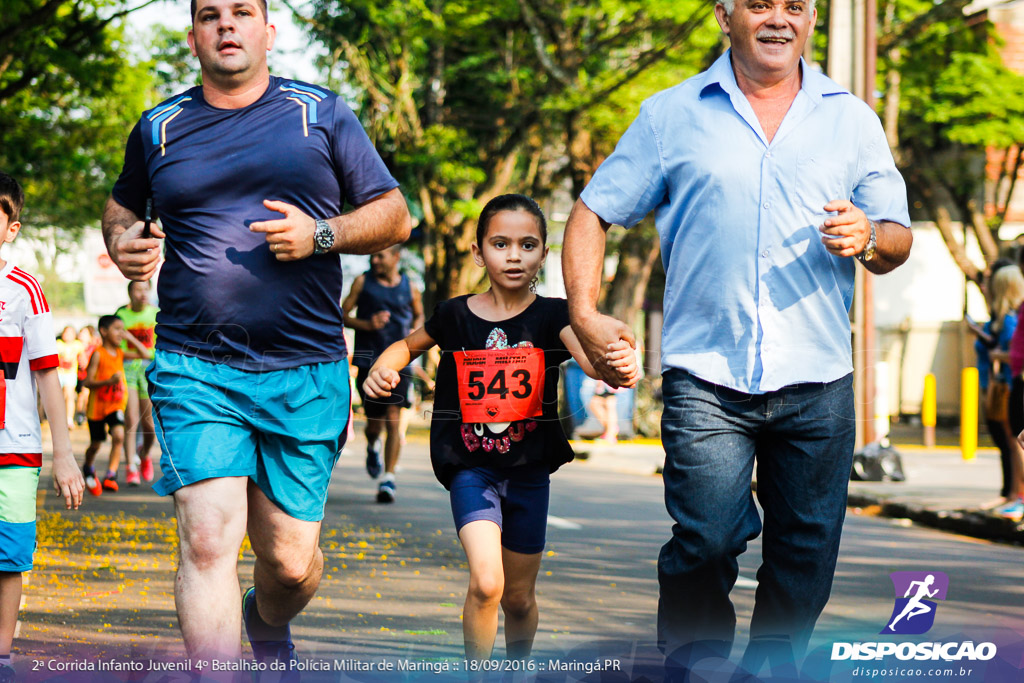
768, 34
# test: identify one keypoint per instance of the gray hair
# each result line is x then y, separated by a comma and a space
730, 5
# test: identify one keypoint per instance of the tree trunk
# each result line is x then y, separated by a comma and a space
580, 148
638, 252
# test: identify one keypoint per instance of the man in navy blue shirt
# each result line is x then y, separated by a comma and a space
249, 174
766, 179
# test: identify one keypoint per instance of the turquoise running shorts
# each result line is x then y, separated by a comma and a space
283, 429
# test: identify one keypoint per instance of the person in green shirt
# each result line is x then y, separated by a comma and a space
139, 318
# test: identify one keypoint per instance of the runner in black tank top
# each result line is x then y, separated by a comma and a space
387, 308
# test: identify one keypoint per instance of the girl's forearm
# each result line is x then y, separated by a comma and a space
396, 356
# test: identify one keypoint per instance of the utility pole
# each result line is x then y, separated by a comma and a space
868, 279
852, 63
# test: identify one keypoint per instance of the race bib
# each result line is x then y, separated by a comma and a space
500, 385
111, 393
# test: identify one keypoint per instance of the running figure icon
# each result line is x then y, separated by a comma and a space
915, 606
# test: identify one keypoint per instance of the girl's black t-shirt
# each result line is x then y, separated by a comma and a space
537, 441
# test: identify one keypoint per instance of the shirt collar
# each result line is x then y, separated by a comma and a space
814, 84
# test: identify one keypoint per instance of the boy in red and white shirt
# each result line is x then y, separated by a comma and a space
28, 358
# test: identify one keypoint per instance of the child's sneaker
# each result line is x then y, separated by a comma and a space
7, 674
110, 484
147, 469
133, 478
92, 483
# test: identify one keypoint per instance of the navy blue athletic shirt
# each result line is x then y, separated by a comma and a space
376, 297
223, 295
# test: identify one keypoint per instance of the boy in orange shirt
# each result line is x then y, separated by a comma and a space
108, 397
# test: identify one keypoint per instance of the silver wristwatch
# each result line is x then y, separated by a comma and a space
323, 237
869, 249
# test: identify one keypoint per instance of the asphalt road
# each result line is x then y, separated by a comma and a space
395, 580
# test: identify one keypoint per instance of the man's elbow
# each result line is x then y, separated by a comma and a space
404, 228
401, 222
903, 253
909, 237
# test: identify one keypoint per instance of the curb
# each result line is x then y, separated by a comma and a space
965, 522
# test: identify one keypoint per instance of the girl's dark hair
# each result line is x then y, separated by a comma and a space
510, 202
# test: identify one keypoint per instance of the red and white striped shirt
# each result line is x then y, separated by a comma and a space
27, 343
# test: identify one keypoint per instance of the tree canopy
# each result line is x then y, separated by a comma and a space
948, 103
467, 100
68, 95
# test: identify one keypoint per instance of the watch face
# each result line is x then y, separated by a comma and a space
324, 237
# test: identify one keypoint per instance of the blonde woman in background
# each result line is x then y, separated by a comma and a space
1005, 294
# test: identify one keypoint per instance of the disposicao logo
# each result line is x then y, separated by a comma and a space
916, 593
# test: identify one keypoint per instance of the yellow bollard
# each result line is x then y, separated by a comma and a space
969, 413
928, 410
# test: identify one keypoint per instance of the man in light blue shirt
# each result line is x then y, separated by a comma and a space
767, 180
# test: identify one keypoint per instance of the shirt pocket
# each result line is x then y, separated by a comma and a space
822, 177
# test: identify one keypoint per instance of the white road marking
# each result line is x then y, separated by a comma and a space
17, 624
744, 582
560, 523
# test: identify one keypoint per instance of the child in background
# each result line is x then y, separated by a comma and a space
495, 435
28, 359
139, 318
89, 340
107, 399
604, 406
68, 349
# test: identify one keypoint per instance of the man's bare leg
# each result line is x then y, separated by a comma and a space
374, 427
393, 442
392, 450
289, 563
211, 526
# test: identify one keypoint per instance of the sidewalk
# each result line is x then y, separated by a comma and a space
941, 489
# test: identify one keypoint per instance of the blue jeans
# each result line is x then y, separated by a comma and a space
802, 439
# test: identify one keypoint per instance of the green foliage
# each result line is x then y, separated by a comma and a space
958, 104
468, 99
68, 97
463, 81
978, 101
953, 82
173, 67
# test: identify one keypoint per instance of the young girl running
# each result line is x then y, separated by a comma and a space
495, 436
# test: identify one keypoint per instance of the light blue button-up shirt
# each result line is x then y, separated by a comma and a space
753, 300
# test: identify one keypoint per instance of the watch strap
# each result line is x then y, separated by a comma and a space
323, 237
868, 253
